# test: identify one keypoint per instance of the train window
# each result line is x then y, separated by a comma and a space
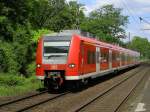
88, 57
56, 47
114, 56
123, 57
104, 57
128, 58
55, 52
91, 57
137, 58
97, 57
118, 57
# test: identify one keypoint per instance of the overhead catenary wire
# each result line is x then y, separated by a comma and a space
140, 23
141, 19
132, 13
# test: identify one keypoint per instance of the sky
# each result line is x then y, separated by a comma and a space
132, 8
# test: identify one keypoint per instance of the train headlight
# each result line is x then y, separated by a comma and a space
38, 65
72, 65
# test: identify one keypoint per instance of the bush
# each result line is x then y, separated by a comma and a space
36, 34
8, 58
11, 80
31, 69
2, 60
14, 84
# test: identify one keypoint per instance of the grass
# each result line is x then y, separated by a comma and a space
11, 85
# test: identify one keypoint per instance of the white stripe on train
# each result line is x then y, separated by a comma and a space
96, 74
93, 74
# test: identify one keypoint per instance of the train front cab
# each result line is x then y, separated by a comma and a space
51, 59
58, 60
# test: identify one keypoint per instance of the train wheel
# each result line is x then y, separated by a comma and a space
115, 72
54, 83
85, 81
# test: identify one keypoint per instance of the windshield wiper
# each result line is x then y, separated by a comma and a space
55, 56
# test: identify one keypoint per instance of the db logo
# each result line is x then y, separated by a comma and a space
54, 67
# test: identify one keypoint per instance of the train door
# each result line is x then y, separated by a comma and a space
123, 59
120, 56
82, 58
104, 63
126, 58
87, 59
115, 59
97, 59
110, 59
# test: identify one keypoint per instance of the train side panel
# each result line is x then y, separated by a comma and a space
73, 59
89, 61
39, 68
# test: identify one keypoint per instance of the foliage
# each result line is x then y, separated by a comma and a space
15, 50
11, 80
11, 84
106, 22
36, 34
22, 22
7, 58
75, 15
31, 69
55, 15
141, 45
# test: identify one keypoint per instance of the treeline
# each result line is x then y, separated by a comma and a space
23, 21
141, 45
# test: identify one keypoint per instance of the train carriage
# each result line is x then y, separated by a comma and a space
75, 58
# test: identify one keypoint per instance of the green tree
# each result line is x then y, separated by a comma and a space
43, 11
106, 22
15, 34
21, 21
76, 14
55, 15
141, 45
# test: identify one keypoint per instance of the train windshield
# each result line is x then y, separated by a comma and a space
55, 52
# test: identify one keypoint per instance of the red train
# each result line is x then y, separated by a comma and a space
71, 58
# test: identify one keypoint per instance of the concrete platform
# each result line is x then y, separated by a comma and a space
143, 105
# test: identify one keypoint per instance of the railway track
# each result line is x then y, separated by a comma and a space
28, 102
74, 102
103, 106
22, 98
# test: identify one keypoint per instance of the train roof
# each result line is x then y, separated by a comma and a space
107, 45
59, 38
67, 36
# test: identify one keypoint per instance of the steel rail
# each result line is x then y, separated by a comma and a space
4, 105
23, 98
106, 91
132, 89
39, 103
